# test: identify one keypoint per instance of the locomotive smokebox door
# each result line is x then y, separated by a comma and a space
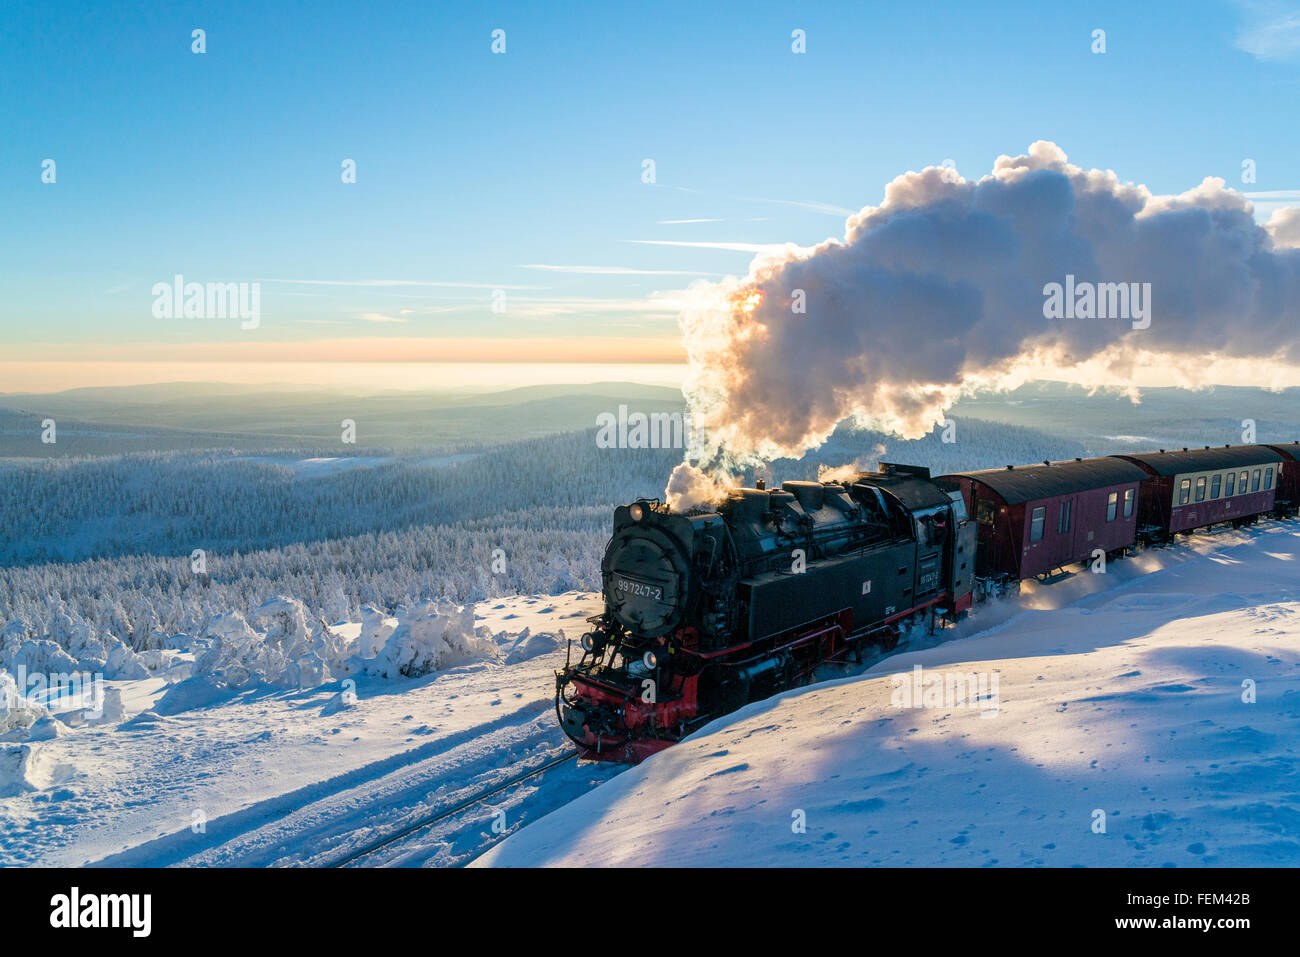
645, 578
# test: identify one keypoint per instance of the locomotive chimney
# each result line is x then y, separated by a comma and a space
761, 484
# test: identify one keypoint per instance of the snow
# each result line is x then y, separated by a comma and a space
430, 637
211, 771
319, 467
17, 712
275, 738
1144, 717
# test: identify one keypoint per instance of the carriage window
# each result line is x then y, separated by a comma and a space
1242, 481
984, 512
1200, 489
1232, 484
1185, 492
1128, 502
1112, 505
1216, 486
1254, 481
1268, 478
1036, 524
1063, 523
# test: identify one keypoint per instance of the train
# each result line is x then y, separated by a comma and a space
710, 609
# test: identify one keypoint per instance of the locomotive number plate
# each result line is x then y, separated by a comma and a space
629, 586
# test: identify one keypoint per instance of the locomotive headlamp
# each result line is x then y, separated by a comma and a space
636, 512
588, 641
650, 660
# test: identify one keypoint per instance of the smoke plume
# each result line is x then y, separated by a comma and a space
941, 290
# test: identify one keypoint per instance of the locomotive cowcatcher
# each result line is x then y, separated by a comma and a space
710, 609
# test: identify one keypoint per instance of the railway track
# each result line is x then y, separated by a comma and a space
429, 821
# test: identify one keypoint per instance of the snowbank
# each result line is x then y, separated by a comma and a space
17, 713
74, 646
275, 645
1150, 723
430, 636
529, 645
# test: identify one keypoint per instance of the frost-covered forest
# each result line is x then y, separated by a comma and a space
107, 542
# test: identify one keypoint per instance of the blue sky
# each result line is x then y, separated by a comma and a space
473, 167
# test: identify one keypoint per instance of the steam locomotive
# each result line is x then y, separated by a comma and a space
708, 611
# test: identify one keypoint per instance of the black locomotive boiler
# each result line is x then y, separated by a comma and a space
707, 611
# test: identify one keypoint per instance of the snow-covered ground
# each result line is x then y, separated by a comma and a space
1146, 717
199, 772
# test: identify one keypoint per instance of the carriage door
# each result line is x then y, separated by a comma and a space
1067, 523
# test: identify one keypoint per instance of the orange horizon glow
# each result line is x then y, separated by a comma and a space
353, 376
563, 349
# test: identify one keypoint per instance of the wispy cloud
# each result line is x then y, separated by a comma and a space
1270, 29
733, 247
617, 270
1267, 202
664, 303
1275, 195
830, 209
398, 282
379, 317
679, 222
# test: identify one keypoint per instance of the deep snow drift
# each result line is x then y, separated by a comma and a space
1136, 720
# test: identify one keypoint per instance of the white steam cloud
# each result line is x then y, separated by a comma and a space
940, 291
